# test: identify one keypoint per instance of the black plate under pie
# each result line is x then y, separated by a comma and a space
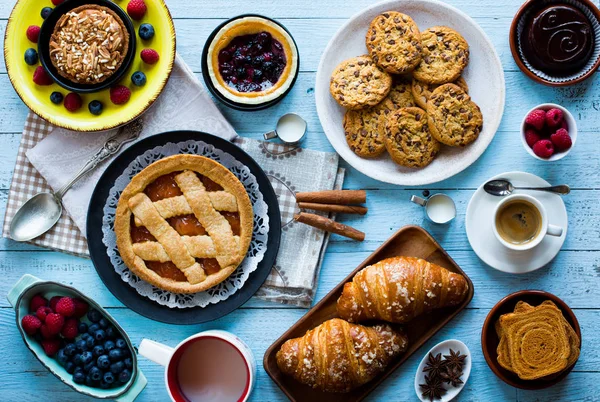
128, 295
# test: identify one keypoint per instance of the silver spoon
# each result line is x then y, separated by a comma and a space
504, 187
42, 211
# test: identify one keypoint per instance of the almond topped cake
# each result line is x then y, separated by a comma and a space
88, 44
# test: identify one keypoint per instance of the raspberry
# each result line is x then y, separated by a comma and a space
54, 322
531, 137
136, 9
81, 307
69, 330
554, 117
57, 2
561, 140
36, 302
543, 149
51, 346
30, 324
33, 33
149, 56
43, 312
73, 102
536, 119
563, 124
119, 94
65, 307
53, 302
46, 333
41, 77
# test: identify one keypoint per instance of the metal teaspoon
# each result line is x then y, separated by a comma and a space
504, 187
42, 211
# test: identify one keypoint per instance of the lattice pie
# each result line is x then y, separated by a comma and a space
184, 223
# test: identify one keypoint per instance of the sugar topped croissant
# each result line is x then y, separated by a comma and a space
337, 356
399, 289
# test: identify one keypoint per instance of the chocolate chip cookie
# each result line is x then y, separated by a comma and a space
364, 132
394, 42
400, 96
358, 83
445, 56
421, 91
454, 119
408, 140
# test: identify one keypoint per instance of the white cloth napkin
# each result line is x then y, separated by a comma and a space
183, 105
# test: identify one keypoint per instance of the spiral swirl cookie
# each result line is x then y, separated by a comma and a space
358, 83
454, 119
421, 91
394, 42
408, 140
364, 132
445, 56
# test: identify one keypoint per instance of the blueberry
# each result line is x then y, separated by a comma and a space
70, 349
70, 367
95, 373
79, 377
240, 72
90, 382
83, 327
109, 345
93, 328
98, 350
117, 367
46, 12
258, 75
138, 78
146, 31
124, 376
61, 357
103, 362
115, 355
103, 323
90, 342
86, 357
77, 359
128, 363
108, 378
85, 336
120, 343
263, 37
224, 56
104, 384
81, 345
100, 335
31, 57
268, 66
111, 332
95, 107
87, 367
57, 98
94, 315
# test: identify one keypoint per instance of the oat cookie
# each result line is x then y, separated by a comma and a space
364, 132
408, 140
394, 42
358, 83
445, 55
421, 91
454, 119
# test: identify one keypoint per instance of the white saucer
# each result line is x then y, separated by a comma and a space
444, 348
479, 220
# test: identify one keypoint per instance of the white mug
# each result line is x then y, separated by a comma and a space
183, 385
546, 228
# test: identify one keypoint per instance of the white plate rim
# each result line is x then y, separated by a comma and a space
403, 179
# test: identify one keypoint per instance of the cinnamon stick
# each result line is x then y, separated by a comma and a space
329, 225
340, 209
339, 197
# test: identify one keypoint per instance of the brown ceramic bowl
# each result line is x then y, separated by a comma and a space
489, 338
514, 47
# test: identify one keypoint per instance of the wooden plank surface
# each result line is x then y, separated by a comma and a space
574, 275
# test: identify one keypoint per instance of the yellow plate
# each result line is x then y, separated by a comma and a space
37, 98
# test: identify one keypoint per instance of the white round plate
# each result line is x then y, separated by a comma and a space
480, 218
484, 75
444, 349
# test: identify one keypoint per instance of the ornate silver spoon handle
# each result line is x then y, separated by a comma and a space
110, 147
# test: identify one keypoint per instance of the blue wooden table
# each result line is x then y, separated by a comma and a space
574, 275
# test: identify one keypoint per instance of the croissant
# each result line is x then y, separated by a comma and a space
338, 356
399, 289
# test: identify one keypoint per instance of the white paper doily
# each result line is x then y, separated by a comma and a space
260, 230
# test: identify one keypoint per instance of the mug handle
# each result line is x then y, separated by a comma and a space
157, 352
136, 388
24, 283
418, 200
554, 230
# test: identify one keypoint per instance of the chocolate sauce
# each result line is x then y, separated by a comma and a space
558, 39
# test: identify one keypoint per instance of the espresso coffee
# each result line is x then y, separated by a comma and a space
518, 222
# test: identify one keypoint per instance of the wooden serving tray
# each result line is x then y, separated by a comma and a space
412, 241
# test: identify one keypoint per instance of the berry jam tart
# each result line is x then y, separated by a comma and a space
252, 60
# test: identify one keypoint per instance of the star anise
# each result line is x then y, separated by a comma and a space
455, 359
435, 365
452, 376
432, 389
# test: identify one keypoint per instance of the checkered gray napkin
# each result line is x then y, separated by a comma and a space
293, 278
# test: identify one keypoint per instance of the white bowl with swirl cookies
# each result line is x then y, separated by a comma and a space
410, 92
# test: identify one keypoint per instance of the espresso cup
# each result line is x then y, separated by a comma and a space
209, 366
539, 219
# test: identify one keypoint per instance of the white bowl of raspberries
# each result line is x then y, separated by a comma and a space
548, 132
